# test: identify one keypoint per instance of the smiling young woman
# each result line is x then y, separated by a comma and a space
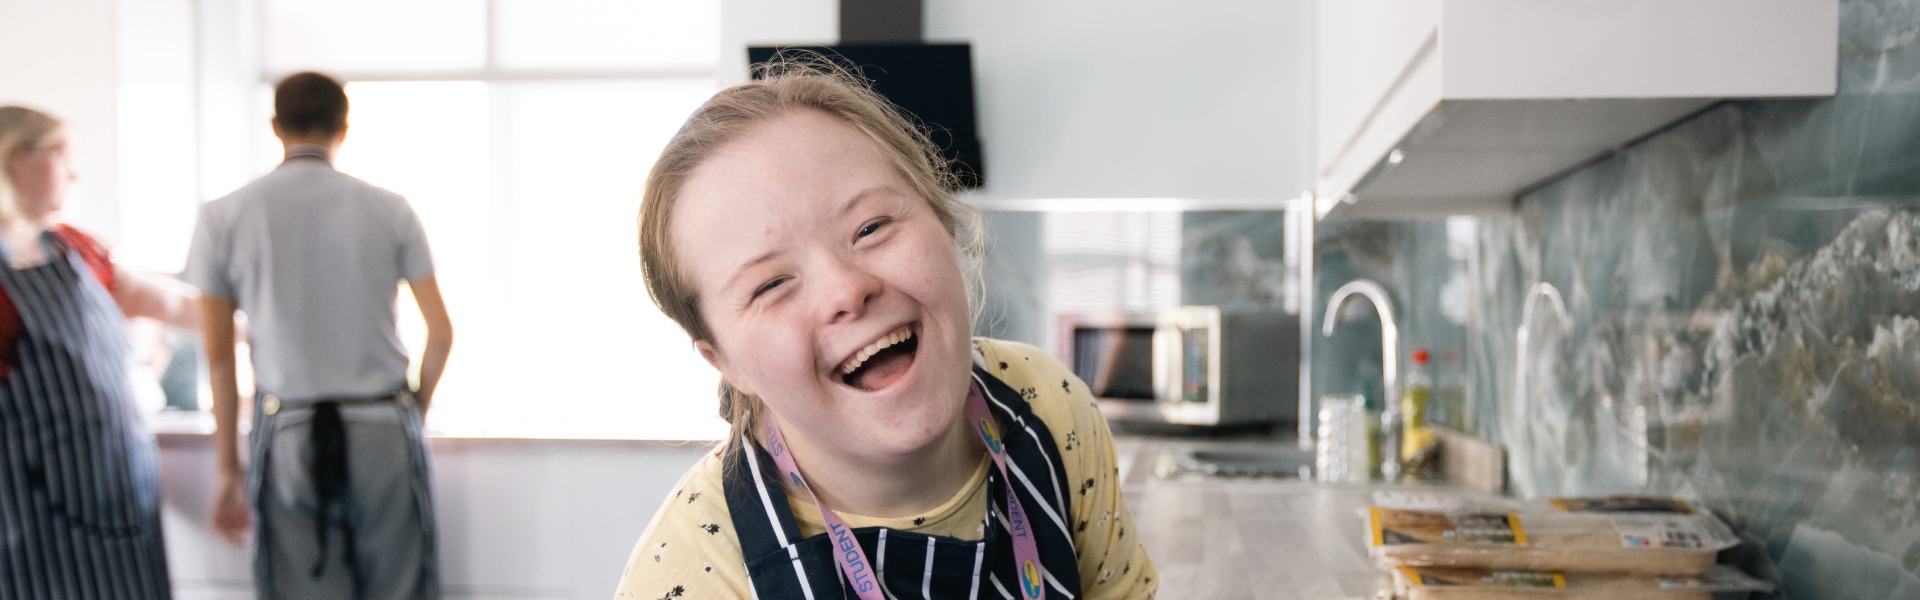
806, 237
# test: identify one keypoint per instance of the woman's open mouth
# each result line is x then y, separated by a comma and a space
883, 362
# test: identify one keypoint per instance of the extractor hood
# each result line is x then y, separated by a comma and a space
1436, 107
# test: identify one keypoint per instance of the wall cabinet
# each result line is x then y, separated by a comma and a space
1434, 107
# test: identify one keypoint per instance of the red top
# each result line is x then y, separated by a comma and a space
91, 252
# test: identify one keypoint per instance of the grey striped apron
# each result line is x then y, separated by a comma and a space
780, 564
274, 418
79, 493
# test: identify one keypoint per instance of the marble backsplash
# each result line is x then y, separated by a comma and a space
1743, 319
1041, 265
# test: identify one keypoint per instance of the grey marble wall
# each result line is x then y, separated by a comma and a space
1236, 260
1743, 293
1127, 261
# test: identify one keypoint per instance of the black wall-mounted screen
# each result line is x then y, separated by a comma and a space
933, 83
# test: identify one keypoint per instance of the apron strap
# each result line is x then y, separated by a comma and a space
761, 517
757, 505
1031, 447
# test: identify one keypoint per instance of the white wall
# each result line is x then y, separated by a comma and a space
745, 23
1208, 99
61, 57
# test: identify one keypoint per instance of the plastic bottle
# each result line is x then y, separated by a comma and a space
1450, 395
1414, 396
1375, 400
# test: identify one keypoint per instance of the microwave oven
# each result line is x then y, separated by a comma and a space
1192, 365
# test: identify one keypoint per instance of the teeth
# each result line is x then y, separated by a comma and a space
860, 358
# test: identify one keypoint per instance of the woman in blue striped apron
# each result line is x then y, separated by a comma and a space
935, 566
79, 495
806, 237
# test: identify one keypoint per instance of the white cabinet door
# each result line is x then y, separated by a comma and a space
1433, 107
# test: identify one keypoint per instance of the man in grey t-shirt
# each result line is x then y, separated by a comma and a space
337, 478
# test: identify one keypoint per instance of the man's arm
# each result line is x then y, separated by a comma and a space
433, 360
230, 498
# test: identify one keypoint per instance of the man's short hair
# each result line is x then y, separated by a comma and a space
310, 104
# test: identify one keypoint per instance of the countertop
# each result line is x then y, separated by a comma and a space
1266, 540
1246, 538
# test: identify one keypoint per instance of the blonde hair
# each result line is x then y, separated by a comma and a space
791, 82
22, 130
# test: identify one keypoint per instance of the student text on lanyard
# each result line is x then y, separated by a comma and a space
853, 560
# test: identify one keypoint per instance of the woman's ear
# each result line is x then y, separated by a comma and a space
719, 362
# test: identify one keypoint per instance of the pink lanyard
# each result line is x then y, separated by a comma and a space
853, 559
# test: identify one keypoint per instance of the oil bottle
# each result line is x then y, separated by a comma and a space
1414, 396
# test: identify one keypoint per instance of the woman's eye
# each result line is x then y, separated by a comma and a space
767, 287
870, 228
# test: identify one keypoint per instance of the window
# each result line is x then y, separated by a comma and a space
368, 36
521, 131
1105, 261
156, 132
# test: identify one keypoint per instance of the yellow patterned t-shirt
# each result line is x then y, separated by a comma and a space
690, 550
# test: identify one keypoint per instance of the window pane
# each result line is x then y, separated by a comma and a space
1103, 261
579, 154
528, 193
582, 34
360, 36
429, 142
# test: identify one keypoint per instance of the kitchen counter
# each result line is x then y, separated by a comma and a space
519, 517
554, 517
199, 423
1230, 538
1265, 540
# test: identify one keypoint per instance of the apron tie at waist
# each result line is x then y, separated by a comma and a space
328, 440
272, 404
329, 472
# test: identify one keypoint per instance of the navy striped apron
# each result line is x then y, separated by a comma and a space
912, 565
79, 491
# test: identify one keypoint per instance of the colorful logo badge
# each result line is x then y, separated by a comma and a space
992, 437
1030, 579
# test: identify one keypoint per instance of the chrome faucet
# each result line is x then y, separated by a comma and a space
1523, 335
1390, 416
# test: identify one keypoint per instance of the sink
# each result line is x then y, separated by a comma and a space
1230, 462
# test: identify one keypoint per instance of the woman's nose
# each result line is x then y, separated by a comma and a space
850, 290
